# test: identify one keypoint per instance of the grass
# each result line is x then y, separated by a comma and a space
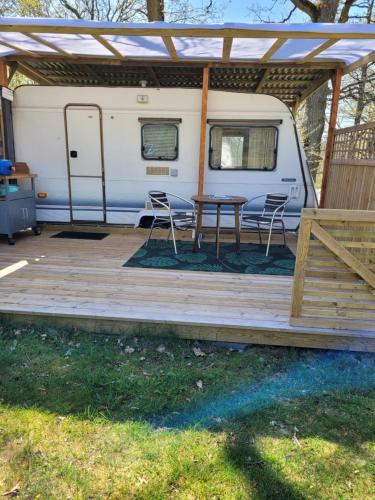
107, 417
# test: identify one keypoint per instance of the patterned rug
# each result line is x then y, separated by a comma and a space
252, 259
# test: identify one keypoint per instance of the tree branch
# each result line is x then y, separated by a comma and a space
286, 19
72, 9
344, 16
309, 8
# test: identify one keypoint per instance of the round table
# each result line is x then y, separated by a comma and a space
205, 199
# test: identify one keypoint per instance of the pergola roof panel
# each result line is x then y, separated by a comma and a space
84, 45
198, 48
246, 48
286, 60
297, 48
135, 46
349, 52
146, 40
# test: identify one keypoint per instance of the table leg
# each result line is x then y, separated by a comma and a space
237, 225
218, 231
198, 228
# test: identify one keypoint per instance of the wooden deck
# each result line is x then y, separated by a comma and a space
82, 283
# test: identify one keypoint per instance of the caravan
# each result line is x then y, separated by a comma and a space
97, 151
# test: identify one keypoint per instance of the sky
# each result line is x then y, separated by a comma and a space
240, 10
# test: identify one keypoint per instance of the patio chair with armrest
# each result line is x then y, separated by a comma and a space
272, 216
174, 220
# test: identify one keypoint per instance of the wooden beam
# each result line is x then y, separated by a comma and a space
154, 76
313, 88
338, 214
23, 26
361, 62
103, 41
18, 49
12, 70
94, 75
336, 85
34, 74
318, 50
227, 47
169, 45
274, 48
4, 80
197, 63
202, 143
262, 81
348, 258
50, 45
300, 269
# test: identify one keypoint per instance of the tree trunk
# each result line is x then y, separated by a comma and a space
155, 10
313, 126
361, 96
315, 109
362, 82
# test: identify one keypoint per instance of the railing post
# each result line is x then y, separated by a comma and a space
299, 272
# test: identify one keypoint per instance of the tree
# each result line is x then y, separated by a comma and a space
155, 10
114, 10
314, 111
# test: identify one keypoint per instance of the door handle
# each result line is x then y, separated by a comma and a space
73, 154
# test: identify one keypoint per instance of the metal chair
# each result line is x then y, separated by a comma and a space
182, 221
272, 215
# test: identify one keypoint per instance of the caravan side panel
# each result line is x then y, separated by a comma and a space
40, 141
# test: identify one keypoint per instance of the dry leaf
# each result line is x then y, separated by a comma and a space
199, 384
295, 438
198, 352
129, 350
161, 348
14, 492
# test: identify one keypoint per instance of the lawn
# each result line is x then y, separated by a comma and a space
112, 417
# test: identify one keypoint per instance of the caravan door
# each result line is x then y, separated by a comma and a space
84, 140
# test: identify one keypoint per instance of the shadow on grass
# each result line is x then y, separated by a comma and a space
261, 393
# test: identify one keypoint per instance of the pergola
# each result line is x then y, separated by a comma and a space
284, 60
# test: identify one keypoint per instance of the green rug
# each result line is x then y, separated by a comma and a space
252, 259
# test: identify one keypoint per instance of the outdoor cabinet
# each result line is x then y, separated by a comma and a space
17, 209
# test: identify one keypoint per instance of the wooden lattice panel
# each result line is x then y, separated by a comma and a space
355, 143
287, 83
351, 177
334, 282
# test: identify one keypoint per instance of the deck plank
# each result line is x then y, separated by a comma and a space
84, 281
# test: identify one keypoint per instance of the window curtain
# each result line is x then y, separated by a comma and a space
261, 152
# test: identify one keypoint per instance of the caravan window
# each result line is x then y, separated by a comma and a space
159, 141
243, 147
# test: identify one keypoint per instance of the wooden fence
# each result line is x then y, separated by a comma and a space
351, 177
334, 279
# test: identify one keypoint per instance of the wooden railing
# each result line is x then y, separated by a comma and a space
351, 174
334, 278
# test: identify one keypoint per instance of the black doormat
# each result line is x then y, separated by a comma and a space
159, 254
80, 235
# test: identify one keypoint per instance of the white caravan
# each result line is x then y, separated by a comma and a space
97, 151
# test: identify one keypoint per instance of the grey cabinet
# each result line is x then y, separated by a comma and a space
17, 209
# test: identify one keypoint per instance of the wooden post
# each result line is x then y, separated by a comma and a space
3, 74
336, 84
299, 272
202, 144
